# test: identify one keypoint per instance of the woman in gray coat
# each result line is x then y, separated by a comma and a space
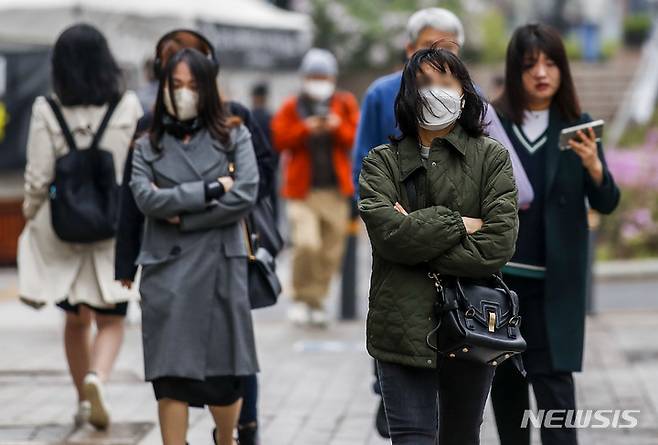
196, 320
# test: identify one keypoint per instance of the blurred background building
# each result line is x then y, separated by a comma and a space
611, 44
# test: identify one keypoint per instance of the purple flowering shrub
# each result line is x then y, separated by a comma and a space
632, 230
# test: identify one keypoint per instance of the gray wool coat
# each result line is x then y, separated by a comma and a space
196, 316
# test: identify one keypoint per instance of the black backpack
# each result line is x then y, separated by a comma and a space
84, 194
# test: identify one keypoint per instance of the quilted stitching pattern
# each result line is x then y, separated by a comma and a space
479, 183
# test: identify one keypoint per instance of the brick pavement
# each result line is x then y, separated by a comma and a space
315, 385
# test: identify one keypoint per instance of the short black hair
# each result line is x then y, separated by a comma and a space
529, 41
409, 103
260, 89
84, 72
213, 115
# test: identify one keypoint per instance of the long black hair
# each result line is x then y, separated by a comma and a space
212, 113
529, 41
84, 71
409, 103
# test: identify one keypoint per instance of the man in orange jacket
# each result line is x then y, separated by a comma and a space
315, 130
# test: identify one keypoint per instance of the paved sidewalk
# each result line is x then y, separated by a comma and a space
315, 390
315, 385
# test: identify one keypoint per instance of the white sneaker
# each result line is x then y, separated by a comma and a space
99, 416
299, 313
83, 414
319, 318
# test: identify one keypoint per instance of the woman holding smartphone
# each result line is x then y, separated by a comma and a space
549, 267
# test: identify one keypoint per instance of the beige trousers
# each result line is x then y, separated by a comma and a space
318, 226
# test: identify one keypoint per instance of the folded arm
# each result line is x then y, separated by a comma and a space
487, 250
239, 200
163, 203
409, 239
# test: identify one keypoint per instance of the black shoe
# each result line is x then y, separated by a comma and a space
381, 423
214, 436
248, 435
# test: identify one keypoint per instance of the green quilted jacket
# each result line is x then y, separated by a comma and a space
463, 176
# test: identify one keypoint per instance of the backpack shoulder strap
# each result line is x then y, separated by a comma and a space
62, 123
106, 120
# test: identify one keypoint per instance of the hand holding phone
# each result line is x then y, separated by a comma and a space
571, 133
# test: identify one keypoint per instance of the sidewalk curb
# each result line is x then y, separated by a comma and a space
626, 270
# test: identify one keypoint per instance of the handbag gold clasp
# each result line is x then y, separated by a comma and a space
492, 321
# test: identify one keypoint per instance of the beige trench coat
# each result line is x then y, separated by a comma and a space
50, 270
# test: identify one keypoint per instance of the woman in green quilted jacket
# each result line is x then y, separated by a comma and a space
461, 222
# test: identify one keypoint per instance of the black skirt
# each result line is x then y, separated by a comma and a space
120, 309
213, 391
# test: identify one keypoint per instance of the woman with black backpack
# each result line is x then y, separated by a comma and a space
78, 142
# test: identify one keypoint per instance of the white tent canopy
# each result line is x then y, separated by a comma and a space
133, 26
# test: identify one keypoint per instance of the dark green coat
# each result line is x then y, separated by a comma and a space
567, 186
464, 177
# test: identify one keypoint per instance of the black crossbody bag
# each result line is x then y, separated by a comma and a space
477, 319
264, 242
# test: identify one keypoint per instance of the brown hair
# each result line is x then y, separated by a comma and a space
178, 41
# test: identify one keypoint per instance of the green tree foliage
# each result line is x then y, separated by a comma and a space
366, 32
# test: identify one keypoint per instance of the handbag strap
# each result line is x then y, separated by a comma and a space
412, 194
251, 239
410, 186
230, 155
514, 298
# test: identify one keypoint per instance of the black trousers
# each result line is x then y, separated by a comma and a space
510, 398
552, 389
422, 405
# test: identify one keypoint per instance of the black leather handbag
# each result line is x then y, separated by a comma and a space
84, 194
264, 284
477, 320
263, 242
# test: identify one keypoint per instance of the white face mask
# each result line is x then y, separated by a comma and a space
444, 106
187, 103
319, 90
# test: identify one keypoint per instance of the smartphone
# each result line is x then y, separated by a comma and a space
572, 132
